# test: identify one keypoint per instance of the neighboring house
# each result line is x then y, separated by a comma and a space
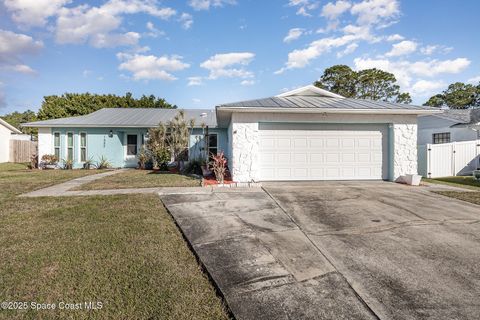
7, 133
449, 126
304, 134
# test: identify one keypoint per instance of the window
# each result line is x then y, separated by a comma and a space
56, 144
212, 144
69, 145
83, 146
443, 137
131, 145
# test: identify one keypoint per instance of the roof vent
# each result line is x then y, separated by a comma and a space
203, 114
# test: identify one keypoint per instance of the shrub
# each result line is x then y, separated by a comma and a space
143, 158
87, 165
49, 159
33, 162
194, 167
219, 166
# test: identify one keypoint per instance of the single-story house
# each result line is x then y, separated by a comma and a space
7, 133
304, 134
449, 126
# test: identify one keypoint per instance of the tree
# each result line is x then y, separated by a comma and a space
178, 130
17, 118
340, 79
404, 98
436, 101
458, 95
373, 84
77, 104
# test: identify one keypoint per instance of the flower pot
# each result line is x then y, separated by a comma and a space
413, 179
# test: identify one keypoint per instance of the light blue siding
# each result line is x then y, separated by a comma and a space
197, 142
99, 143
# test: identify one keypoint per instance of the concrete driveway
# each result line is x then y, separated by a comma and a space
337, 250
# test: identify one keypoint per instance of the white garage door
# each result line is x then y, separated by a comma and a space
323, 152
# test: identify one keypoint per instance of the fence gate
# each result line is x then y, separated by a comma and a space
22, 150
449, 159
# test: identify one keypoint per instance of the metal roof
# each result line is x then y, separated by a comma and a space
318, 102
129, 117
458, 115
464, 118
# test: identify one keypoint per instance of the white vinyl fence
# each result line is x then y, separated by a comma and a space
448, 159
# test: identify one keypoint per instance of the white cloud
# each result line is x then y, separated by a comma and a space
86, 73
293, 34
13, 46
247, 82
474, 80
33, 12
348, 50
334, 10
196, 100
304, 6
186, 20
426, 87
97, 25
150, 67
431, 49
153, 31
195, 81
405, 71
376, 11
229, 65
394, 37
206, 4
402, 48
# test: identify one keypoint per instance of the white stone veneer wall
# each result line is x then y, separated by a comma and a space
245, 139
45, 142
404, 149
244, 154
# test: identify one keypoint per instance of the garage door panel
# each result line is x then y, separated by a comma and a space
333, 154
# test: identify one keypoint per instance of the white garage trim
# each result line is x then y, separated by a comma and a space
323, 151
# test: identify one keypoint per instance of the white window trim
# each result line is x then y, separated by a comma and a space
80, 146
73, 146
59, 146
125, 147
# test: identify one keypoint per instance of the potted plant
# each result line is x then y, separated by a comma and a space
50, 161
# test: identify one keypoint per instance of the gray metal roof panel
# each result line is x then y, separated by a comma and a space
322, 102
131, 117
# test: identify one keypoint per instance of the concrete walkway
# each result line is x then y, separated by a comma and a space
65, 189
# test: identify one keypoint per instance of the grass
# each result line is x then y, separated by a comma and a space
459, 181
15, 178
469, 196
122, 251
141, 179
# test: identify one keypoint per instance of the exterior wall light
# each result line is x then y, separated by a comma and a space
110, 134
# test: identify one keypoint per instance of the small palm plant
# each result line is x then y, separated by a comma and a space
67, 164
89, 164
103, 163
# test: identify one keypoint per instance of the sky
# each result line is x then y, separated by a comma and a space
201, 53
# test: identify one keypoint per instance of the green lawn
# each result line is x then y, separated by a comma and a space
15, 178
462, 182
122, 251
141, 179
